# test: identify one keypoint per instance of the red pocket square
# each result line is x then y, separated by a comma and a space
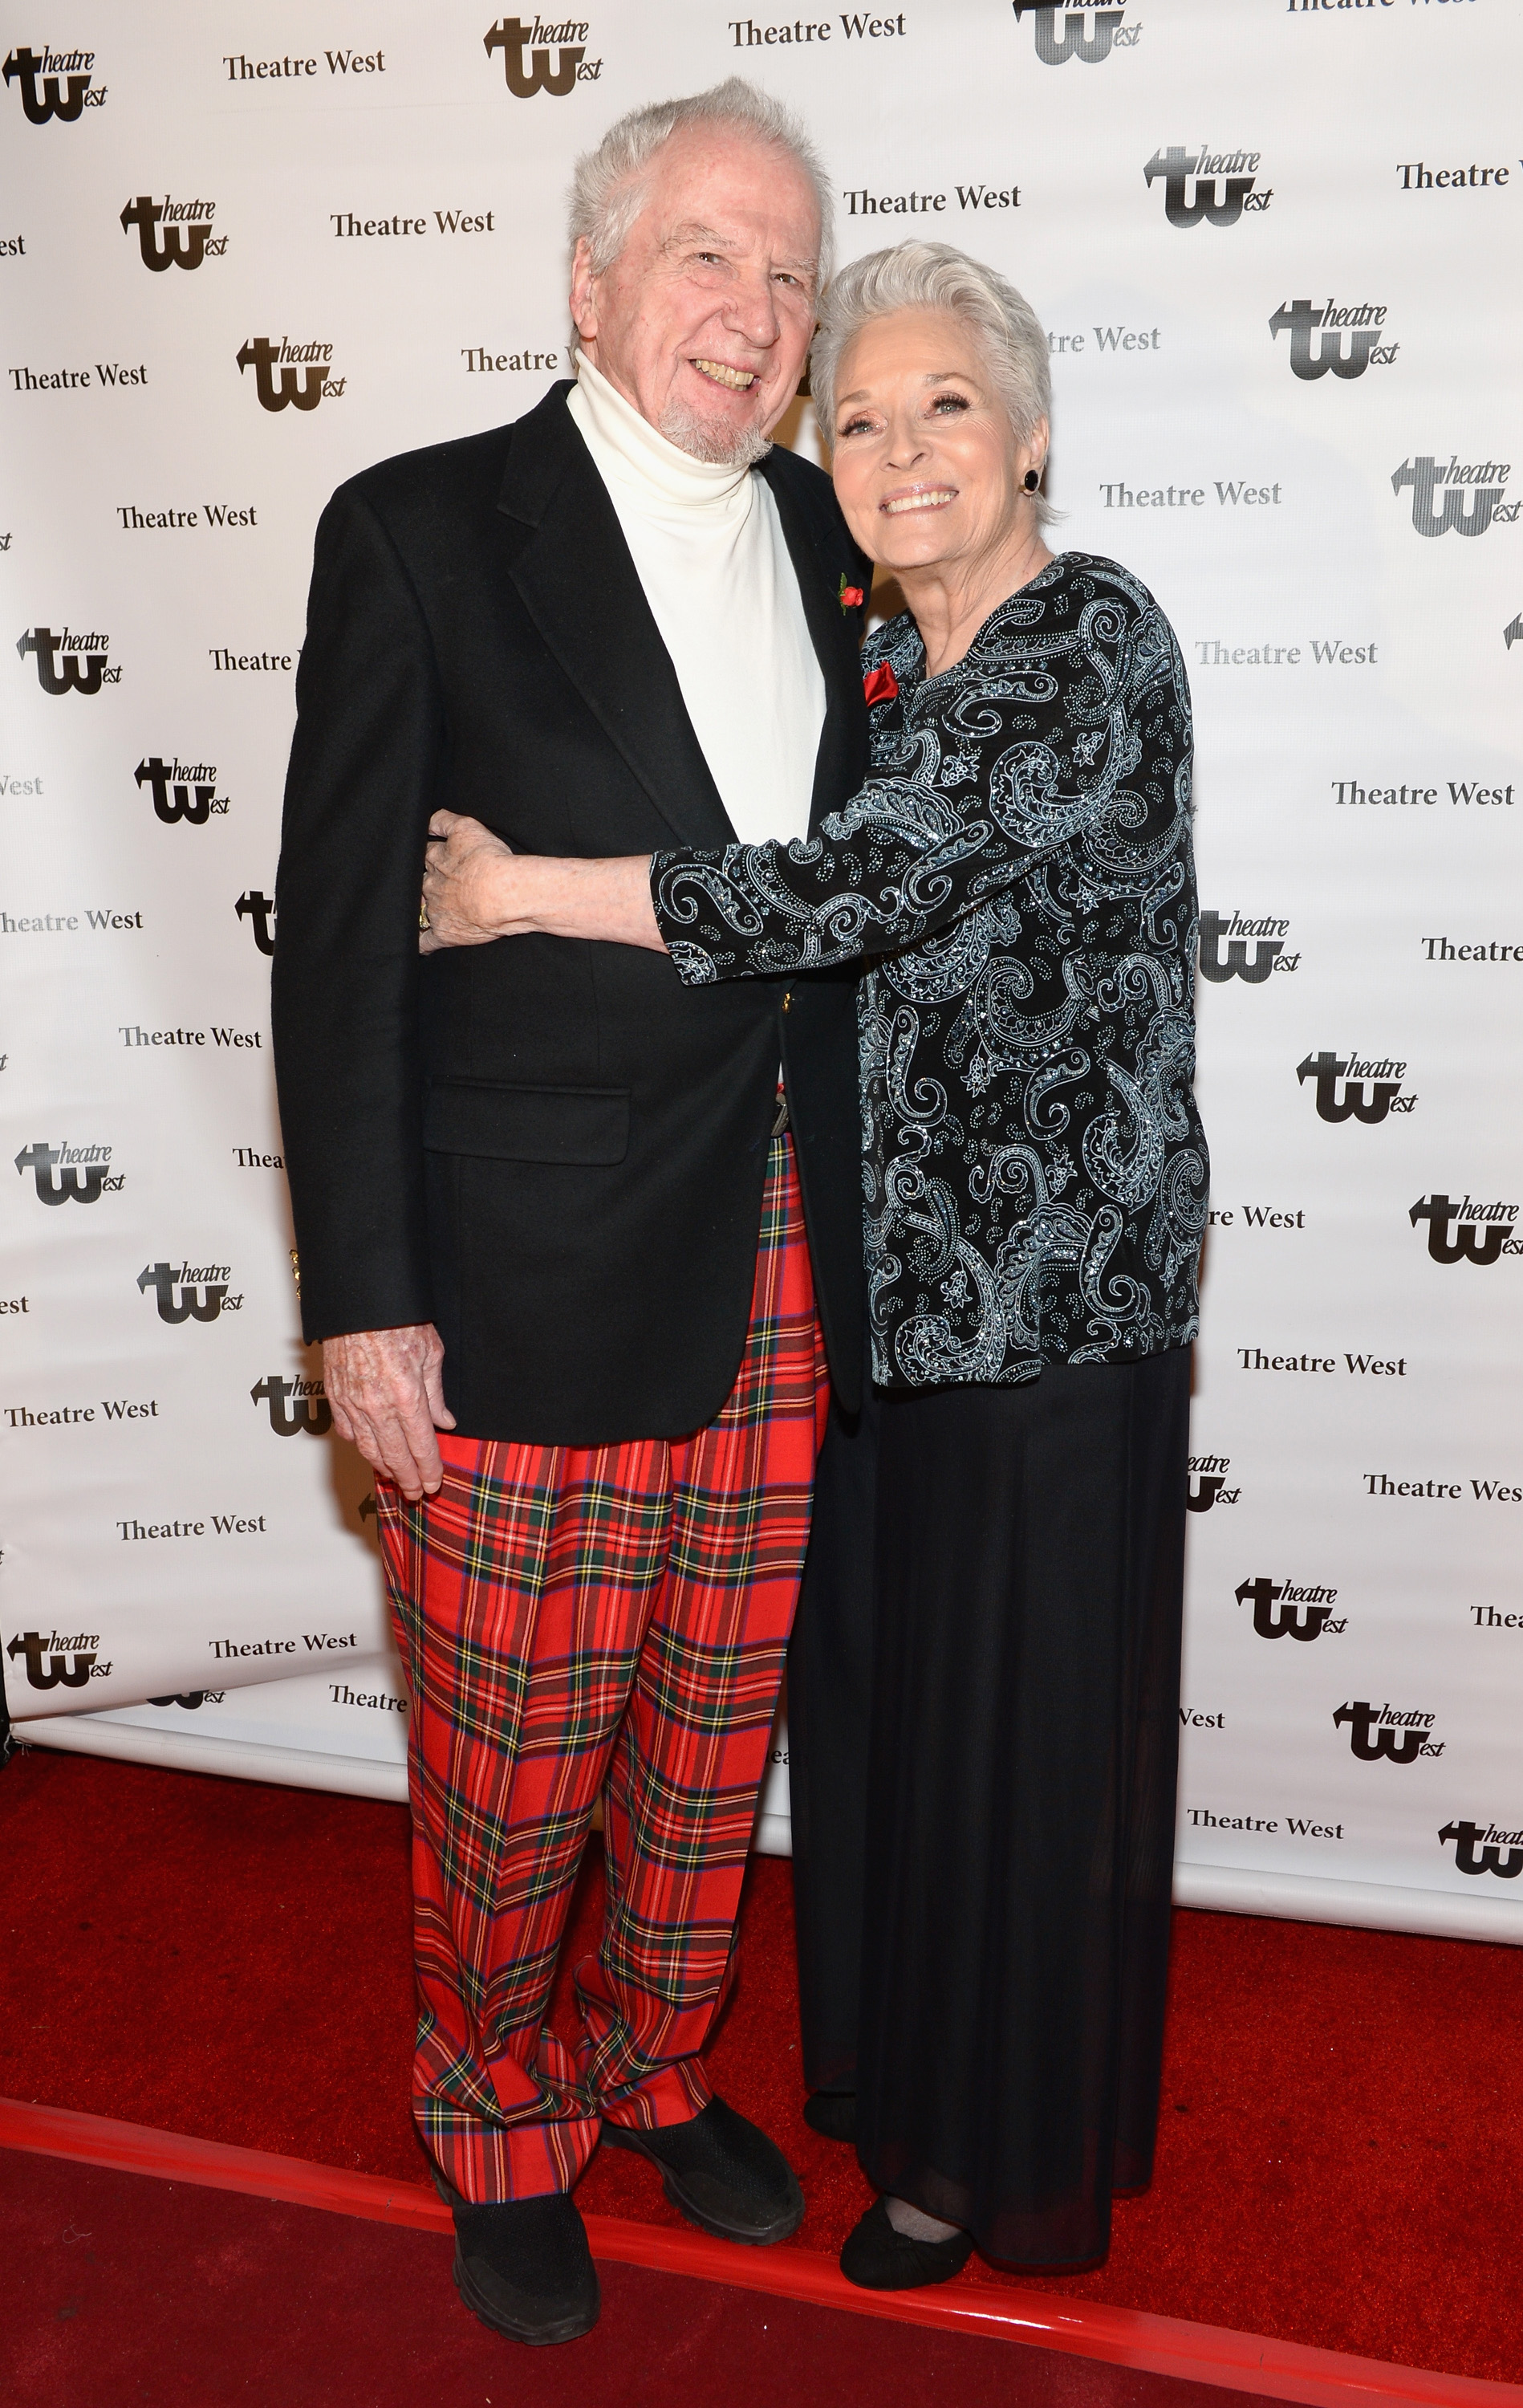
881, 685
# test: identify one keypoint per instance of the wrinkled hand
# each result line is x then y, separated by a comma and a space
464, 863
387, 1394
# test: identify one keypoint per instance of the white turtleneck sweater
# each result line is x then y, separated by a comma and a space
710, 554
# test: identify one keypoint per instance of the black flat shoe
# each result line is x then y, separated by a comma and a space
834, 2112
524, 2268
877, 2258
724, 2175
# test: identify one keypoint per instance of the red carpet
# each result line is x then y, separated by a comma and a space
120, 2288
1343, 2110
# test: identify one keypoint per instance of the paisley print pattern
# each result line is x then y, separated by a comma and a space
1018, 875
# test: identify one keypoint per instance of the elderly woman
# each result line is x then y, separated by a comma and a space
1016, 879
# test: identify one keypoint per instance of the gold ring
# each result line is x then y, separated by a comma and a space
424, 920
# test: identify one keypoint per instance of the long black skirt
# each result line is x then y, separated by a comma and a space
984, 1690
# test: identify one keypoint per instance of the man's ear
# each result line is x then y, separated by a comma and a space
584, 315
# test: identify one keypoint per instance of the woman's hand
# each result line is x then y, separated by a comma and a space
469, 880
476, 888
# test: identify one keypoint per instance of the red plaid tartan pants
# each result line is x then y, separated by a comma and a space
578, 1620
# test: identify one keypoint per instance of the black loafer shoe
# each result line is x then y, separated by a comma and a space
834, 2112
877, 2258
724, 2175
524, 2268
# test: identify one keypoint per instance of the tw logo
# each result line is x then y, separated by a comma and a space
69, 1662
64, 1172
1088, 34
304, 372
1207, 1484
181, 244
84, 668
1473, 494
191, 1699
1484, 1851
179, 793
1467, 1244
1370, 1089
1281, 1611
1364, 325
1269, 953
1376, 1731
1208, 169
258, 911
23, 66
184, 1294
295, 1405
572, 65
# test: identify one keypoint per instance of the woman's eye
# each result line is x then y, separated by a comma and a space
856, 426
949, 405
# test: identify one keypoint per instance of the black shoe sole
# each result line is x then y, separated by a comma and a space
569, 2327
619, 2136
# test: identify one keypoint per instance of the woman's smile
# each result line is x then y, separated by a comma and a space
918, 497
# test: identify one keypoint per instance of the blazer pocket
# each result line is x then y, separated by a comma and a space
569, 1125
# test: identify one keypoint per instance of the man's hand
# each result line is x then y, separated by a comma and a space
387, 1394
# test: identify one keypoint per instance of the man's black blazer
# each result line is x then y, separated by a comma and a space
554, 1150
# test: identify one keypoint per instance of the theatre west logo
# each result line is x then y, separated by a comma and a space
181, 792
189, 1291
1376, 1731
258, 911
69, 663
526, 55
1088, 34
173, 234
1224, 184
1348, 1088
192, 1700
295, 1405
67, 86
1484, 1851
288, 373
58, 1663
1207, 1482
1361, 322
1268, 941
69, 1174
1482, 1233
1456, 496
1283, 1610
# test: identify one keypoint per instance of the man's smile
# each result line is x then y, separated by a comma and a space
734, 379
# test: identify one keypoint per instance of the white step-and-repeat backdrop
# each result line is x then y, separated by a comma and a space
1276, 243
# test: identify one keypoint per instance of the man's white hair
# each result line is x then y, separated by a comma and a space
609, 184
935, 275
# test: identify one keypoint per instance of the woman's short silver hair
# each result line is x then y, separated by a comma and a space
934, 275
609, 184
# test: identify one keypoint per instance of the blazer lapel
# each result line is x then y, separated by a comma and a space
834, 633
579, 586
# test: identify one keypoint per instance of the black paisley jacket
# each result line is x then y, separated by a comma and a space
1017, 873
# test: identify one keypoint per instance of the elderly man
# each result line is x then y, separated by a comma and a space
551, 1204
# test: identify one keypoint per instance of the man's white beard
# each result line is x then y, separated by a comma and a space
714, 445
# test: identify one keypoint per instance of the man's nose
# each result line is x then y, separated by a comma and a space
751, 312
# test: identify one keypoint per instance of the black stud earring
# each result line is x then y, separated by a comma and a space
1032, 479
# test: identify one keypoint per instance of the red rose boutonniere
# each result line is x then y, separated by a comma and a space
881, 685
849, 596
